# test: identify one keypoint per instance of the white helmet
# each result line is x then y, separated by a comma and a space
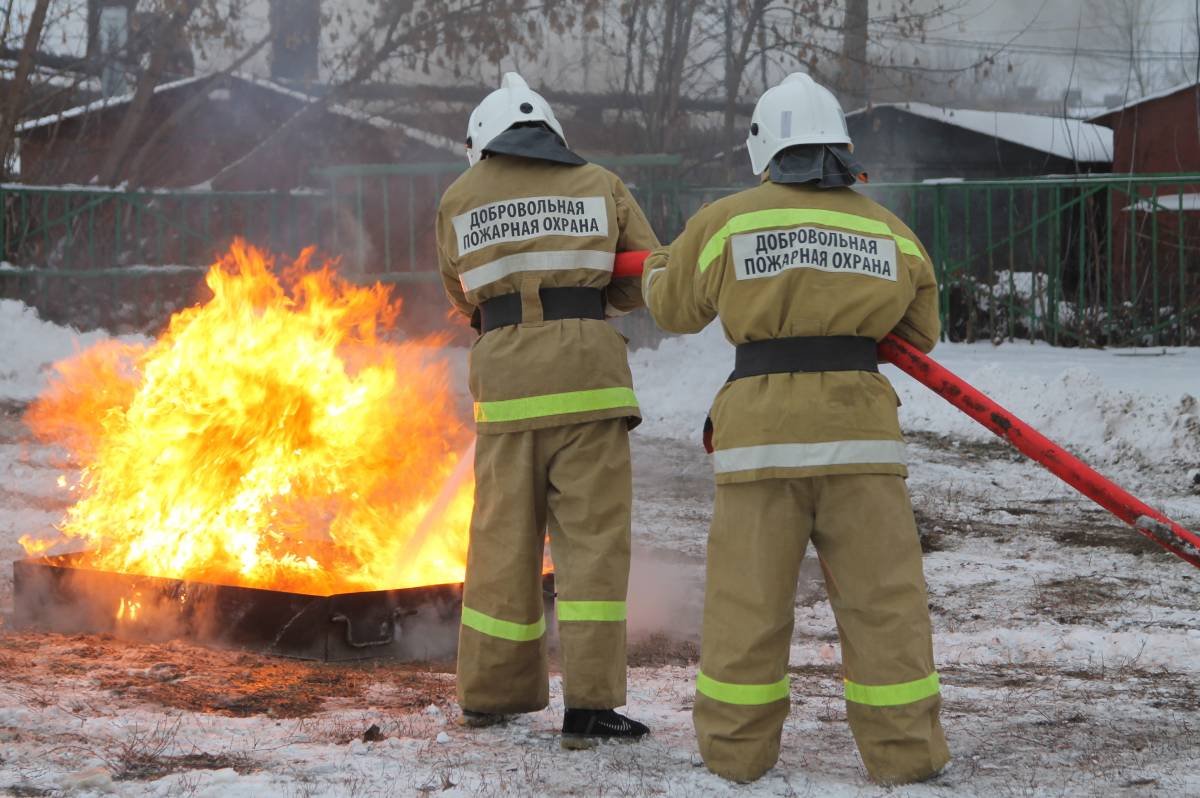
513, 102
797, 111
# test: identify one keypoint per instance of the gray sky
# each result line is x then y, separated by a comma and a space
1037, 36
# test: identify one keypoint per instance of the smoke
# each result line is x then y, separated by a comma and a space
666, 596
416, 624
427, 636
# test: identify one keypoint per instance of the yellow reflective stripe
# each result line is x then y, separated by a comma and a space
745, 694
892, 695
590, 610
555, 404
782, 217
507, 630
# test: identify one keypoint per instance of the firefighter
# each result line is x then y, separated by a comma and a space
526, 242
806, 276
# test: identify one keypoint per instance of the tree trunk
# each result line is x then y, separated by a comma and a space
737, 59
733, 78
855, 73
668, 83
11, 106
166, 35
136, 161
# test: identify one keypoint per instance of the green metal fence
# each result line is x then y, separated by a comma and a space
386, 212
1076, 260
127, 259
1080, 260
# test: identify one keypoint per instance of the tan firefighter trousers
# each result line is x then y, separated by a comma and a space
863, 529
576, 480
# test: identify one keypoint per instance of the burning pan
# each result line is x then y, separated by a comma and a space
55, 594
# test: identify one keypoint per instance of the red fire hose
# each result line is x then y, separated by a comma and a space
1142, 517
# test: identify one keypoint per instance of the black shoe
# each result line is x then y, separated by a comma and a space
481, 720
584, 728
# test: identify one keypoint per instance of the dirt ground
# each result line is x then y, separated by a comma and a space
1065, 644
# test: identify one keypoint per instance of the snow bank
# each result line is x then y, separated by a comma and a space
1123, 407
29, 346
677, 381
1126, 407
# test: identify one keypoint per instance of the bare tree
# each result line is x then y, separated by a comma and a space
743, 26
855, 27
166, 33
12, 104
395, 37
1125, 27
678, 22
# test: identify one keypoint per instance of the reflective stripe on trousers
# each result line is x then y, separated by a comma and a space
590, 610
893, 695
742, 694
882, 695
783, 217
561, 260
505, 630
806, 455
555, 404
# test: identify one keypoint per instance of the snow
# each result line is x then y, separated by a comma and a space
1065, 138
1158, 95
432, 139
1167, 202
29, 346
99, 105
131, 269
1068, 647
76, 188
52, 77
1128, 409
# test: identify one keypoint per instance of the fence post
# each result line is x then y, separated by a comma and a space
1033, 273
1181, 311
939, 260
3, 225
1081, 276
1056, 264
1110, 213
1154, 266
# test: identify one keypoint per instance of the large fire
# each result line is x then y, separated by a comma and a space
270, 438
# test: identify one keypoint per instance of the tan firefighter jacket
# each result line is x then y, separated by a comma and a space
794, 260
514, 225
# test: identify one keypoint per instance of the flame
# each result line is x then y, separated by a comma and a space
129, 608
269, 438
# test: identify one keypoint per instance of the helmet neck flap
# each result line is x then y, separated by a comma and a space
533, 141
826, 165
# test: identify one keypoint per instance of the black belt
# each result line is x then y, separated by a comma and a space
805, 353
557, 303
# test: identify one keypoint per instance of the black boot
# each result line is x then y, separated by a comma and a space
584, 728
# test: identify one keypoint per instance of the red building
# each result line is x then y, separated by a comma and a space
217, 156
1157, 134
226, 132
1156, 226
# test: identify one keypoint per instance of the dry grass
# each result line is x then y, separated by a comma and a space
182, 676
659, 649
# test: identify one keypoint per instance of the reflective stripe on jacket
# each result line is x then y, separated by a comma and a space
793, 260
514, 225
